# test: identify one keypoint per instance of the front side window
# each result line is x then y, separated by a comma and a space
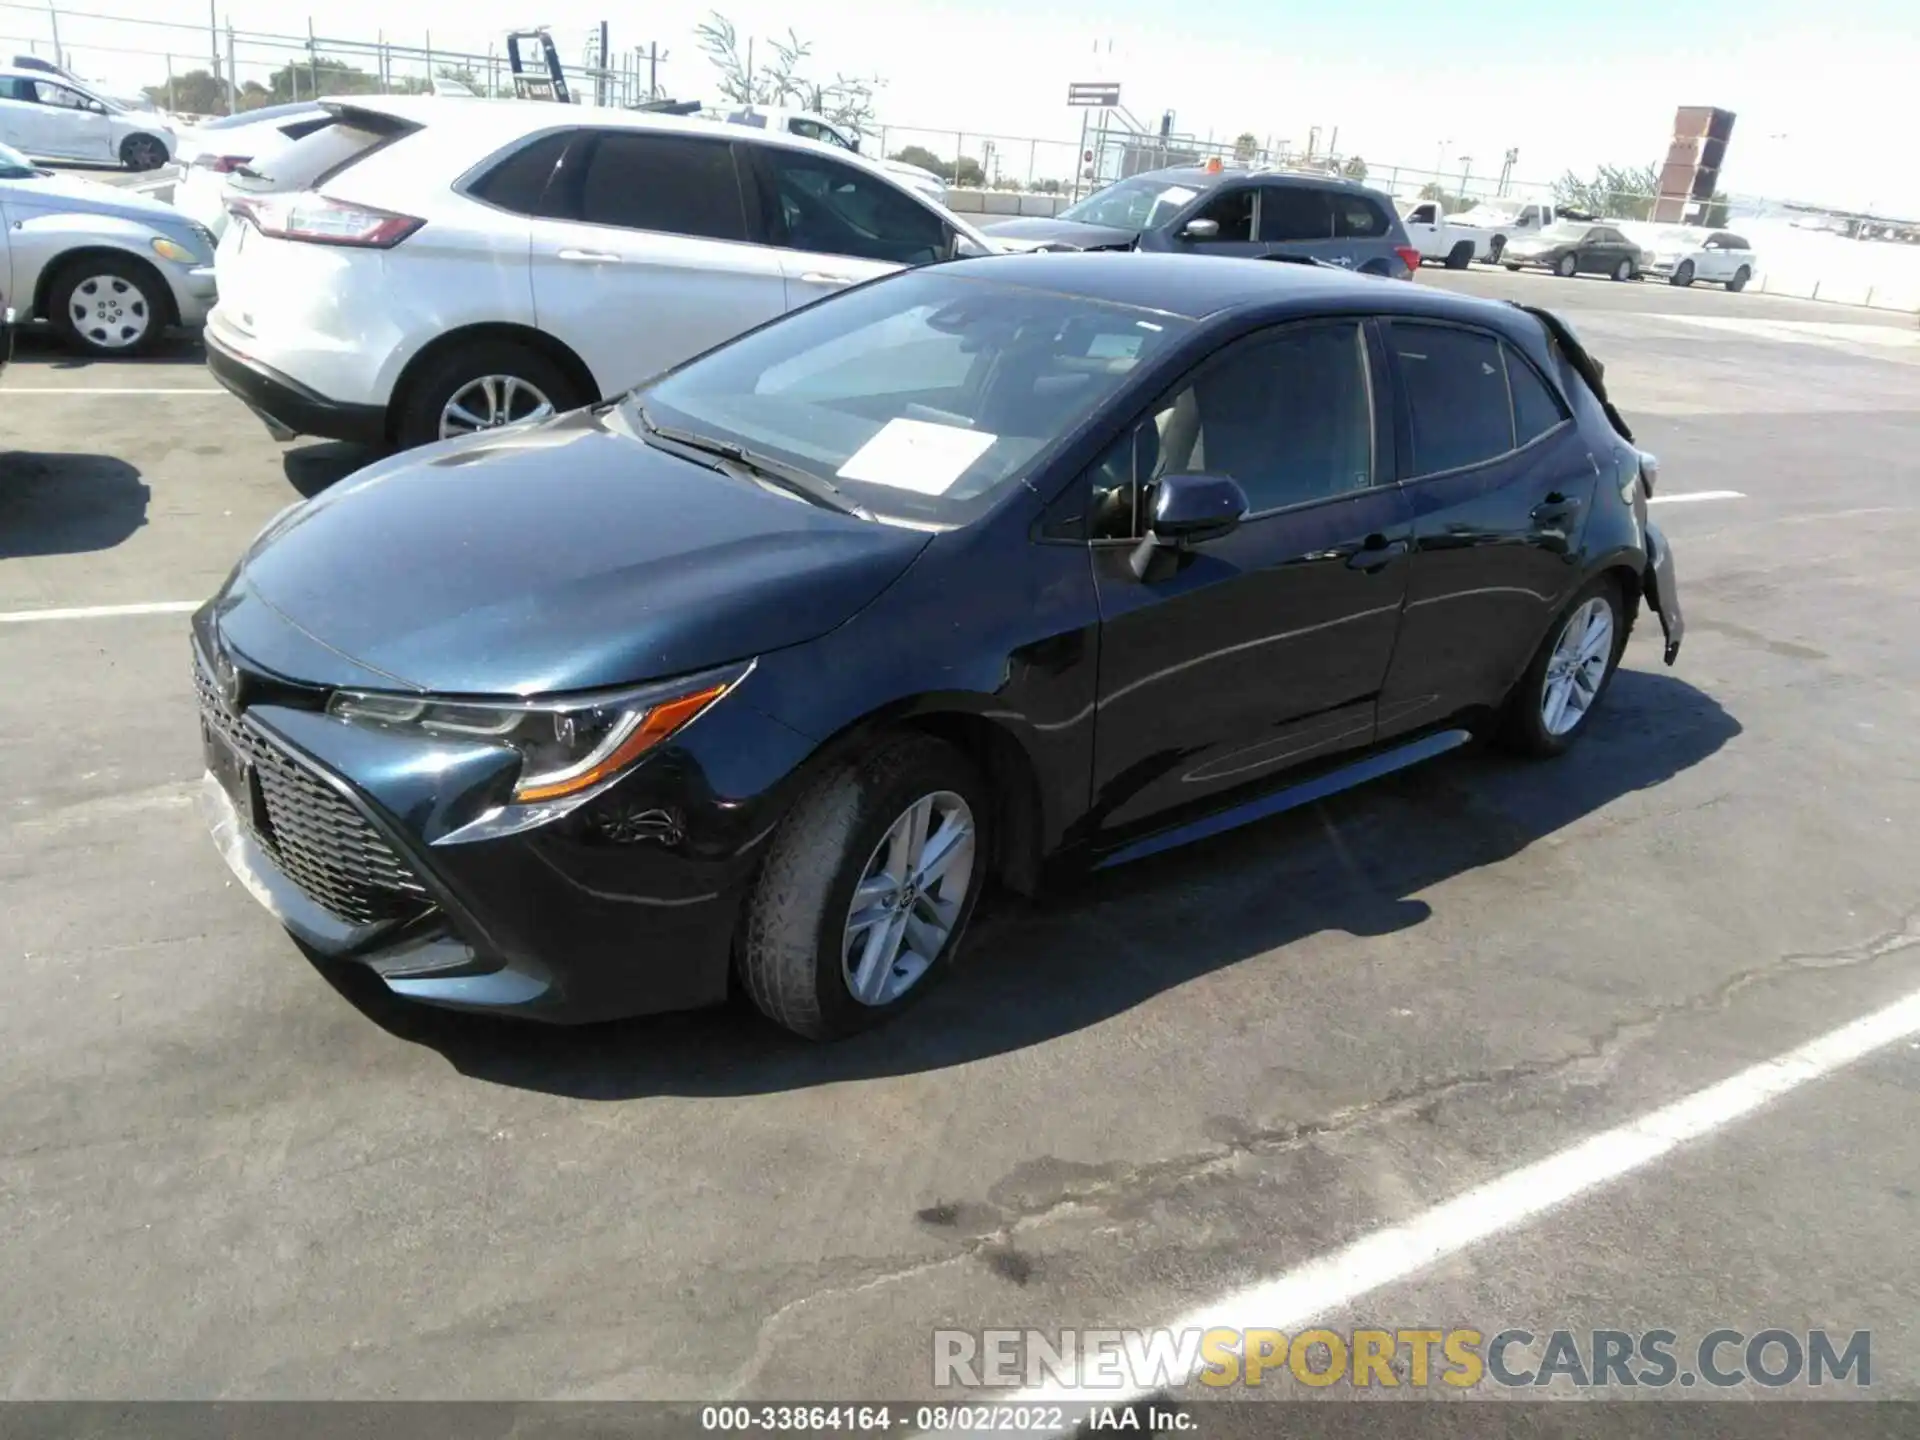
675, 184
1455, 385
1232, 211
1295, 212
922, 396
50, 94
822, 205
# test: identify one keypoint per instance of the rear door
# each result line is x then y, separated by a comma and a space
1297, 219
645, 256
1500, 482
835, 224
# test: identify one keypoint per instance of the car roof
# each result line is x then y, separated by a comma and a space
1200, 287
1200, 177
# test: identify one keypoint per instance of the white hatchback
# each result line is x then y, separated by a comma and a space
49, 117
423, 267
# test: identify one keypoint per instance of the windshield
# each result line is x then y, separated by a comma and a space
14, 165
921, 396
1137, 204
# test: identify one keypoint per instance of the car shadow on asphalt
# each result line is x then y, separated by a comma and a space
59, 504
42, 348
1035, 971
313, 468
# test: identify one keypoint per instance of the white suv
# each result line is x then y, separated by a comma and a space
424, 267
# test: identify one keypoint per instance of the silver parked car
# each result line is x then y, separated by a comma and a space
108, 269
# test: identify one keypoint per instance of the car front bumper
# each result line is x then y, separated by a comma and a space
285, 406
349, 835
194, 293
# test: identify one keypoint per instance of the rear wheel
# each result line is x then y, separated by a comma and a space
1567, 267
109, 306
1683, 273
482, 387
1513, 265
1460, 256
1739, 280
1553, 701
1624, 270
867, 890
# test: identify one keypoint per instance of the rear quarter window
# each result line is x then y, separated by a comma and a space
1355, 217
335, 147
520, 181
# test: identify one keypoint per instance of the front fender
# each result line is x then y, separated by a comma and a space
41, 242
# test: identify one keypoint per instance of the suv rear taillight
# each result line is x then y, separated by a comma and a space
220, 164
319, 220
1409, 257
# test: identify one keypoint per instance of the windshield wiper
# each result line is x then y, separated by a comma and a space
795, 481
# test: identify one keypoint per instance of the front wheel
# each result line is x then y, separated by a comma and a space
142, 152
1553, 701
1567, 268
482, 387
1460, 256
1514, 266
1623, 271
1739, 280
109, 306
1683, 274
867, 889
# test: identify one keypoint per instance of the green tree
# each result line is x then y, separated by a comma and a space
1619, 192
923, 157
194, 93
1448, 201
1246, 145
1356, 168
1714, 216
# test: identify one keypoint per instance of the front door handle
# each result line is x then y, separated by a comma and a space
595, 257
1373, 556
1556, 510
821, 277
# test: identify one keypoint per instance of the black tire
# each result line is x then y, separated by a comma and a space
1522, 728
1513, 265
1625, 271
130, 286
1567, 267
416, 421
793, 927
1683, 274
1460, 256
143, 152
1496, 246
1739, 280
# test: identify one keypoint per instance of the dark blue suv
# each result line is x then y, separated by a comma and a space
1204, 210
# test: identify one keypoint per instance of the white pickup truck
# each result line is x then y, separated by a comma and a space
1493, 223
1438, 238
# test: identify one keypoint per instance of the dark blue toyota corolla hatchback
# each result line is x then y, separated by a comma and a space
965, 576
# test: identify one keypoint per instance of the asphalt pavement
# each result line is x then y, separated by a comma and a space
224, 1173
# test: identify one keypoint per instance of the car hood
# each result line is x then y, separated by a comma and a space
1031, 232
67, 194
563, 556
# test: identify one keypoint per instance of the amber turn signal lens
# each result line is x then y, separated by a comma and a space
655, 725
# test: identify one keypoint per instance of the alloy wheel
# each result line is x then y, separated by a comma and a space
490, 401
109, 311
1577, 667
143, 152
911, 894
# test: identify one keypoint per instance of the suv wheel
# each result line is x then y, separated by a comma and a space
482, 387
867, 890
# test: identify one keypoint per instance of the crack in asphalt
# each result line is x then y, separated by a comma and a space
996, 1248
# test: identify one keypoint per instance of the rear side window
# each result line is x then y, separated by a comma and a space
676, 184
1536, 409
1357, 218
339, 144
518, 182
1295, 212
1455, 385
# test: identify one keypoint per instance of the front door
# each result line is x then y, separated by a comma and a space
72, 126
1267, 647
654, 262
836, 225
1500, 482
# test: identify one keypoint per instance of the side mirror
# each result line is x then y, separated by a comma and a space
1200, 230
1188, 510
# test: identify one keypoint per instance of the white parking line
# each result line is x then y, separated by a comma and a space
1686, 496
101, 612
1515, 1199
102, 390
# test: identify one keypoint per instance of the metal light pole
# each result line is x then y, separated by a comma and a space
1440, 158
1466, 164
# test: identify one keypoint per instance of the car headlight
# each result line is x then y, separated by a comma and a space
569, 748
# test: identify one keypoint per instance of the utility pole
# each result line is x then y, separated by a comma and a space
602, 60
53, 14
1506, 169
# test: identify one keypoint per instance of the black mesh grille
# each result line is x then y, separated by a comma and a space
321, 842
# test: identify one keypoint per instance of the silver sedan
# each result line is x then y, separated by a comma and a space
110, 270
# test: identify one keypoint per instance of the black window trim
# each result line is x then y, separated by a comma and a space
1144, 416
1403, 405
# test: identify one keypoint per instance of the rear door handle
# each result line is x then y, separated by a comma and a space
821, 277
1555, 510
1377, 557
594, 257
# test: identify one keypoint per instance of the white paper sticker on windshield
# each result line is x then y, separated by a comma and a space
913, 455
1177, 194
